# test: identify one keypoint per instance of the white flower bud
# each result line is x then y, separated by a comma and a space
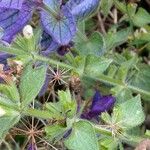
2, 112
28, 31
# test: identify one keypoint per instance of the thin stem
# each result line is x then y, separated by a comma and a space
101, 130
51, 61
102, 78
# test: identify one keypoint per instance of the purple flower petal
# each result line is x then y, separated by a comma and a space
63, 28
97, 96
82, 8
4, 57
53, 4
45, 86
12, 20
48, 45
45, 41
101, 104
17, 4
64, 49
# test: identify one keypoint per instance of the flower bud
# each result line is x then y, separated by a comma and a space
2, 112
28, 31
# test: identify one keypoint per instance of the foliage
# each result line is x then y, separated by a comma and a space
74, 74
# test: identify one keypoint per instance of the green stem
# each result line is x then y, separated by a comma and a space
102, 130
102, 78
52, 62
38, 113
43, 114
105, 79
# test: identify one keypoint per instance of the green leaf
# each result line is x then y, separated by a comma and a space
9, 115
11, 50
96, 65
95, 44
55, 109
121, 94
55, 131
67, 104
106, 6
91, 65
141, 79
31, 82
83, 137
109, 143
7, 122
11, 91
116, 39
131, 112
44, 114
125, 68
141, 18
120, 5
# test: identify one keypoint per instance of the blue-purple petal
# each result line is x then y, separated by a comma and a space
63, 29
13, 21
105, 103
82, 8
99, 104
48, 45
4, 57
97, 96
16, 4
54, 5
45, 86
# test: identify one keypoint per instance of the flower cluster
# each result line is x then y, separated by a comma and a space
58, 20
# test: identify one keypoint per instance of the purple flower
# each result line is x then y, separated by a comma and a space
58, 20
12, 20
17, 4
99, 104
48, 46
80, 9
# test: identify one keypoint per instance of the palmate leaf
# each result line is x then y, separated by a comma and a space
61, 27
17, 4
82, 8
12, 21
83, 137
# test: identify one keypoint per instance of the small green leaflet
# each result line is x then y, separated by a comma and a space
131, 112
94, 45
91, 65
9, 115
31, 82
83, 137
